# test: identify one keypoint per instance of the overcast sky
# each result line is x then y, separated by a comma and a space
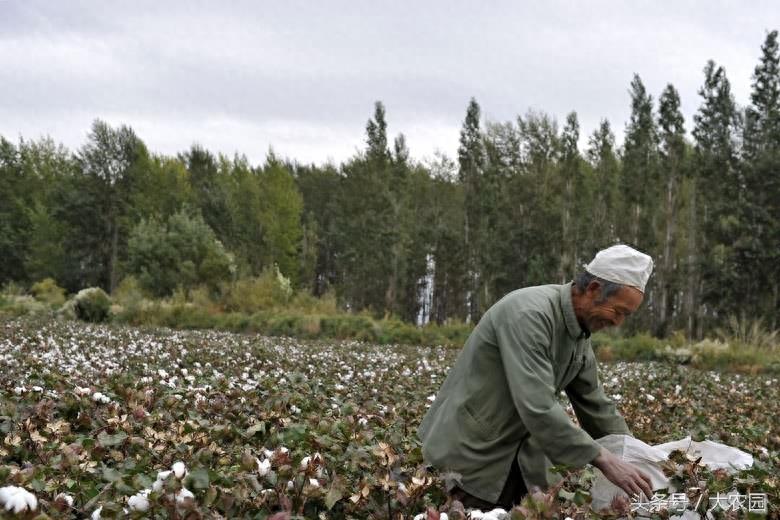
302, 77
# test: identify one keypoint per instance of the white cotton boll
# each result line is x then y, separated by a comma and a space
431, 397
68, 499
183, 495
139, 501
650, 398
617, 397
305, 462
96, 513
263, 467
100, 398
161, 477
268, 453
19, 390
313, 482
37, 389
443, 516
294, 409
17, 499
421, 516
362, 421
179, 469
290, 485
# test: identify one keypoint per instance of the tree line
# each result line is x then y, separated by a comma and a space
436, 240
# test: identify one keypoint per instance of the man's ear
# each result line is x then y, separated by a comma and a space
594, 286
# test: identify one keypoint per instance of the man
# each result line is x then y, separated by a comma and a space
496, 426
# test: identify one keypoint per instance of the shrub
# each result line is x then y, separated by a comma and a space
181, 252
396, 331
749, 333
128, 293
92, 304
350, 326
47, 291
200, 296
267, 291
14, 289
22, 305
68, 310
640, 347
306, 303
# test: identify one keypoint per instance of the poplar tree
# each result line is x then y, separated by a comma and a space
639, 179
471, 161
672, 148
759, 246
716, 194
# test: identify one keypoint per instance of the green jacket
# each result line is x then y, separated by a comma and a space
499, 399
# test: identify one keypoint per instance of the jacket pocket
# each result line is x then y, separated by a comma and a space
481, 427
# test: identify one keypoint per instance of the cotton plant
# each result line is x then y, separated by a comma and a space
347, 391
140, 502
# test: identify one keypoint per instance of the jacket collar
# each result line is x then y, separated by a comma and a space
572, 325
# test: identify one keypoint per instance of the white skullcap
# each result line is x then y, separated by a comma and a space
622, 264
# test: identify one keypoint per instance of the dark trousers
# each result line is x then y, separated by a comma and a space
513, 492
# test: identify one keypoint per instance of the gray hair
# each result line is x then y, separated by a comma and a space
608, 288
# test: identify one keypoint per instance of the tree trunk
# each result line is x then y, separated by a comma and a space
113, 268
693, 271
664, 285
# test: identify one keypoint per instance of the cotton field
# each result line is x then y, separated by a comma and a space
104, 422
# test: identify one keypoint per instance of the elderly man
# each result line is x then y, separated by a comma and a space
496, 424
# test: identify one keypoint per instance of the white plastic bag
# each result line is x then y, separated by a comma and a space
713, 454
649, 458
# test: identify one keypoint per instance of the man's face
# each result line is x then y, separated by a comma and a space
599, 313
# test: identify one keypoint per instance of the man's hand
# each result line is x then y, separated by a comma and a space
624, 475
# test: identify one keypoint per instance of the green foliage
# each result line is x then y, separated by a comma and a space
92, 304
113, 164
48, 292
182, 252
249, 295
641, 347
281, 207
16, 305
129, 292
305, 303
46, 253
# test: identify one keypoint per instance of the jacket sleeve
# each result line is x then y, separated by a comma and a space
524, 341
595, 411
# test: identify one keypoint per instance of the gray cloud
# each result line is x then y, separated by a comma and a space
302, 76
